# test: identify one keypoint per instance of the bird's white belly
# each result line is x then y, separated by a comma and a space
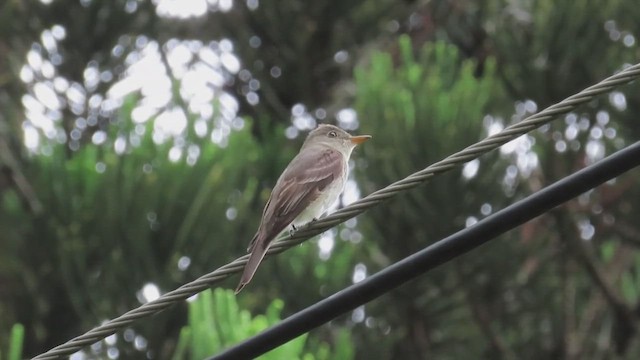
323, 202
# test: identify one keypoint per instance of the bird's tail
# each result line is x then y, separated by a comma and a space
258, 250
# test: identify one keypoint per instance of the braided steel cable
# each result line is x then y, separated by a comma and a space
316, 227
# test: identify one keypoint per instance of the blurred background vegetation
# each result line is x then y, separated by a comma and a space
139, 141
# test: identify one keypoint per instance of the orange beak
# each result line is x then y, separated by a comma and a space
359, 139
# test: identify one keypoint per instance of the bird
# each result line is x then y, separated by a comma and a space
305, 190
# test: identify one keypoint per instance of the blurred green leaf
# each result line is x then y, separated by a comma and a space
216, 322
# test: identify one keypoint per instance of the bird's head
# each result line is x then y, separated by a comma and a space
334, 137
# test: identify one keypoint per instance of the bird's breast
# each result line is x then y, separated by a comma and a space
324, 201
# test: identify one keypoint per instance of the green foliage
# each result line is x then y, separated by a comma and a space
216, 321
421, 108
540, 45
429, 105
425, 108
111, 216
15, 341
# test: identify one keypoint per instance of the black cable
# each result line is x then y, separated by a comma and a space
436, 254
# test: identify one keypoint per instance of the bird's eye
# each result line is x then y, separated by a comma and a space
332, 134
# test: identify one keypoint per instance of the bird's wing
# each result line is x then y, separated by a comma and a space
304, 180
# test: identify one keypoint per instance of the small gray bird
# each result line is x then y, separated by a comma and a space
311, 183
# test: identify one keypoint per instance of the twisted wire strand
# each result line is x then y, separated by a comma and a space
316, 227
